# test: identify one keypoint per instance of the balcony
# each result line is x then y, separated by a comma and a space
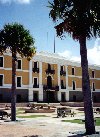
63, 73
55, 88
35, 86
35, 70
49, 71
63, 87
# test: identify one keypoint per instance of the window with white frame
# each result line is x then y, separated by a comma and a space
1, 61
35, 82
49, 66
93, 86
73, 85
73, 71
62, 68
1, 80
62, 83
93, 74
35, 64
19, 81
19, 64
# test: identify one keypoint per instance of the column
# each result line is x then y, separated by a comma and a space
30, 95
40, 82
59, 96
40, 74
30, 74
67, 91
59, 92
41, 95
59, 77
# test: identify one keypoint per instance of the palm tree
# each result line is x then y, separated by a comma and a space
81, 20
19, 41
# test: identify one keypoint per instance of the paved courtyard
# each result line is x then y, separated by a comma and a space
50, 126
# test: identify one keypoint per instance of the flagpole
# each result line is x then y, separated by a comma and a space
54, 45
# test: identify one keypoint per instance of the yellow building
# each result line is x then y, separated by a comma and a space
48, 77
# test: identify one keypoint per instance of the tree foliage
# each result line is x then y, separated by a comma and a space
76, 17
18, 39
81, 20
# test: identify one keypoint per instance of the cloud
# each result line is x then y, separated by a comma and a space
93, 54
17, 1
68, 54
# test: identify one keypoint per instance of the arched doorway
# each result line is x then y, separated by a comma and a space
49, 82
50, 93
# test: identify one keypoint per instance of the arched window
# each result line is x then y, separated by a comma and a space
49, 66
73, 84
93, 86
73, 71
93, 74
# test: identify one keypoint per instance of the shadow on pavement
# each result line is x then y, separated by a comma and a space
76, 136
33, 136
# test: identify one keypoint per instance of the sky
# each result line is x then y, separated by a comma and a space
34, 15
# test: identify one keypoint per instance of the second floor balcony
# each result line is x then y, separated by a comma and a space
63, 73
35, 70
50, 71
53, 88
35, 86
63, 87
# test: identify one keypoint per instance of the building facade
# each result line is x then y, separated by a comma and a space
46, 78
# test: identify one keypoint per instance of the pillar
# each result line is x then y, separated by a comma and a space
40, 82
30, 95
67, 91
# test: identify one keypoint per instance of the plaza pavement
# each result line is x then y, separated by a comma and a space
50, 126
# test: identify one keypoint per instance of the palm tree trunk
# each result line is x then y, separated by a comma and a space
13, 92
88, 105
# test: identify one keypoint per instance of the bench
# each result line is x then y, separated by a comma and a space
62, 112
97, 110
69, 112
3, 114
7, 107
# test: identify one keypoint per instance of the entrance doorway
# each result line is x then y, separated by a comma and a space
50, 96
63, 97
74, 98
94, 99
35, 97
18, 98
49, 82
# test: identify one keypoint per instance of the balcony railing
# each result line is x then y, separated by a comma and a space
63, 73
50, 71
55, 88
35, 86
63, 87
36, 70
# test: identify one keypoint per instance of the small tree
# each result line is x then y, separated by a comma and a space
19, 41
81, 20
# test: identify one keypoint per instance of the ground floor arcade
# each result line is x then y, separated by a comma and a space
30, 95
